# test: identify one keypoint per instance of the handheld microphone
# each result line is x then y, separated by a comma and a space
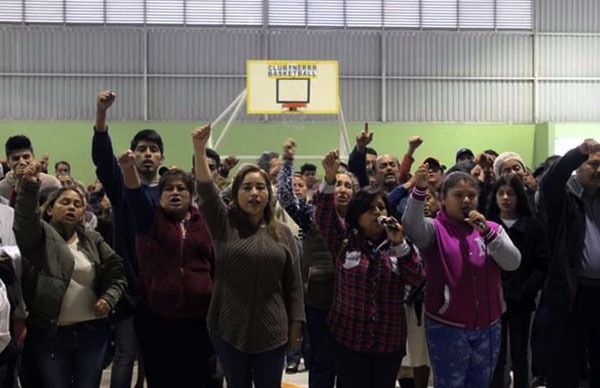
478, 223
388, 223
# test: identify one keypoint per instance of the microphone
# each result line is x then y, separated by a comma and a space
388, 223
480, 224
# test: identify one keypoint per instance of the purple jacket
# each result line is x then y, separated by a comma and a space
463, 285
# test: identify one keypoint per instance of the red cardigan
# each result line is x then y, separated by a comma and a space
175, 271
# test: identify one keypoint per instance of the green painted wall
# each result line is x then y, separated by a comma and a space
71, 140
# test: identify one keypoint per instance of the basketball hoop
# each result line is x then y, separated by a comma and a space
293, 107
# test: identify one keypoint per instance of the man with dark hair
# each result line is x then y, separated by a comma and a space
62, 167
371, 160
464, 154
269, 161
147, 146
19, 154
309, 173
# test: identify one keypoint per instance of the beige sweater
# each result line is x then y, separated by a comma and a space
9, 183
257, 284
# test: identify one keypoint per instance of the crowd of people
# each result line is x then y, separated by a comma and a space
386, 271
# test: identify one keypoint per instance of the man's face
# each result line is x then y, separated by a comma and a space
19, 159
387, 173
589, 172
147, 157
310, 177
212, 166
62, 169
371, 161
435, 176
274, 167
515, 167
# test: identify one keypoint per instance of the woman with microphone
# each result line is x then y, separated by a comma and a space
373, 263
464, 255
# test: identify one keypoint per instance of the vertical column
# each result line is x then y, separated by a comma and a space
145, 67
383, 59
534, 63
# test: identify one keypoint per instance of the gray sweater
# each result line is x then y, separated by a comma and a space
257, 289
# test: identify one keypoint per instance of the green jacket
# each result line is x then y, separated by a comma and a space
48, 263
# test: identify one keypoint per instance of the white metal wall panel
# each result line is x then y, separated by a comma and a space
66, 98
70, 50
358, 52
459, 101
569, 101
191, 98
463, 54
568, 15
179, 51
569, 56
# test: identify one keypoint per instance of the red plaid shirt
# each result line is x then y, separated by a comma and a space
367, 313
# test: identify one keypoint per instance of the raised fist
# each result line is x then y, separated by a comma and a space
414, 142
331, 165
127, 159
105, 99
421, 176
31, 172
589, 146
230, 162
200, 138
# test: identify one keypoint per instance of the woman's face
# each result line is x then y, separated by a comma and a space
460, 200
343, 189
253, 195
368, 220
68, 209
299, 187
506, 199
176, 198
432, 205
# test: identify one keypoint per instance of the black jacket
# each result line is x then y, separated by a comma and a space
565, 225
521, 286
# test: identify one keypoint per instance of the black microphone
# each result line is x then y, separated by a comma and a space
388, 223
478, 223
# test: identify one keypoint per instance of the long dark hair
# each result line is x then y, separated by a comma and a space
361, 203
238, 217
523, 209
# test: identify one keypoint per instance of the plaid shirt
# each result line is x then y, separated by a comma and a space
367, 313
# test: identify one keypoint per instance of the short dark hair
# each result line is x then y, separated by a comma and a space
214, 155
175, 174
307, 167
361, 203
17, 142
264, 160
149, 135
62, 162
523, 208
455, 178
371, 151
211, 154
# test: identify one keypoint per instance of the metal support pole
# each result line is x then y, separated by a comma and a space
233, 116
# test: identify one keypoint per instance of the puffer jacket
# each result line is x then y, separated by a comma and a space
48, 263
